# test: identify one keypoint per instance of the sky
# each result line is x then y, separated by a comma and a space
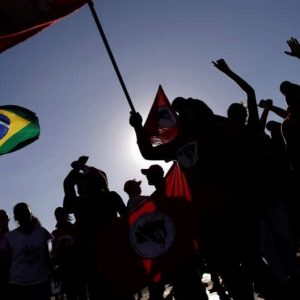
65, 76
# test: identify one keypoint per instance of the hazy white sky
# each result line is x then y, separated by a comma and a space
65, 76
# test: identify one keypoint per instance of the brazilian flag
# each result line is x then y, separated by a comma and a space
18, 127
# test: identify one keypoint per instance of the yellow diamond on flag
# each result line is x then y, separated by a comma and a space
18, 127
17, 123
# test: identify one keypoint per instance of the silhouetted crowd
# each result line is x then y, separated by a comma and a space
243, 172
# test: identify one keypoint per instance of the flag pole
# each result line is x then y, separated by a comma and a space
101, 31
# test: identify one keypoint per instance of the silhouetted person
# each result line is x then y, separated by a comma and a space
290, 129
291, 124
26, 250
65, 252
4, 229
236, 111
155, 177
133, 189
279, 154
204, 153
253, 160
94, 208
291, 132
279, 164
278, 236
4, 220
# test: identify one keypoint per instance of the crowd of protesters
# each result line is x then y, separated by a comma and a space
242, 179
243, 171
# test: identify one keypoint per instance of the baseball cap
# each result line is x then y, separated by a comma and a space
130, 184
153, 169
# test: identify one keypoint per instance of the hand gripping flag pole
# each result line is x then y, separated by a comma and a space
108, 49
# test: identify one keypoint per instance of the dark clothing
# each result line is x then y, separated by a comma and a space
3, 231
94, 209
290, 131
39, 291
225, 167
66, 255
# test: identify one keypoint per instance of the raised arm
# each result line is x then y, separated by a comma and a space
266, 105
253, 118
147, 150
294, 48
70, 182
275, 109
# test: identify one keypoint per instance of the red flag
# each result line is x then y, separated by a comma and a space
162, 122
154, 241
176, 183
21, 19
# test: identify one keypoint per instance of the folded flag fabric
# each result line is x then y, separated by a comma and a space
162, 124
18, 127
21, 19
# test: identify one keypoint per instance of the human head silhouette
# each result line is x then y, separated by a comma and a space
154, 174
195, 115
132, 187
22, 213
61, 215
91, 181
237, 112
291, 91
4, 219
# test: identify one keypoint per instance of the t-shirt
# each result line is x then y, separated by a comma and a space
29, 255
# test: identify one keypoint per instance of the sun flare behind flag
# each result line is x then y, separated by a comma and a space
18, 127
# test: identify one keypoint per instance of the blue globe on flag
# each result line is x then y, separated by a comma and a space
4, 125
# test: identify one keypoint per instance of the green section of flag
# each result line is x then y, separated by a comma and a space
23, 128
20, 111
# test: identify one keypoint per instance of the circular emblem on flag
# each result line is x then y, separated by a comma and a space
4, 125
152, 234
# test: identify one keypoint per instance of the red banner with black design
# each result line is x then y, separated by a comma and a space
153, 242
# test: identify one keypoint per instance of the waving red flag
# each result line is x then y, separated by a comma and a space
21, 19
154, 241
162, 122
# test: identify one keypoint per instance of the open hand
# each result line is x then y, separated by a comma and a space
221, 65
79, 164
294, 47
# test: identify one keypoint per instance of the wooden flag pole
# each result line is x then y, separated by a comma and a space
97, 21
